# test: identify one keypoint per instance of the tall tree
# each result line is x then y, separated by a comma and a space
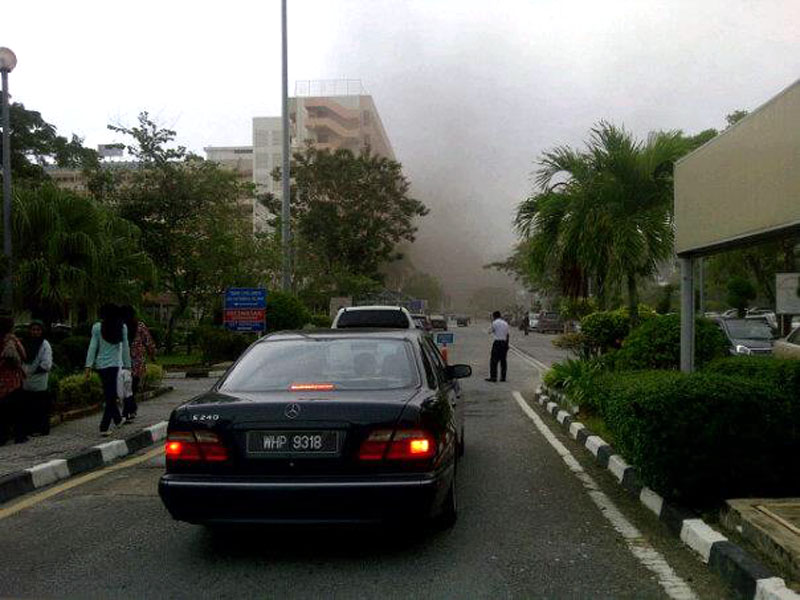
188, 210
35, 143
71, 252
350, 213
603, 213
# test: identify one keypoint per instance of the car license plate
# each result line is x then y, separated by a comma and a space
292, 443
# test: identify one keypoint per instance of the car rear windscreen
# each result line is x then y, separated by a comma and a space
393, 319
345, 364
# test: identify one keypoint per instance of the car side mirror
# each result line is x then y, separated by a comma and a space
459, 371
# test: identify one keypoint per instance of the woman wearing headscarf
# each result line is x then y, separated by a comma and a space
12, 355
108, 353
37, 368
142, 347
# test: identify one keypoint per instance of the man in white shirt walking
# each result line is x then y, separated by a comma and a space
499, 332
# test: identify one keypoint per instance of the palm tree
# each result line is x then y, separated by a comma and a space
70, 251
604, 213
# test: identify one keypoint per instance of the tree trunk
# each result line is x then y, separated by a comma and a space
176, 314
633, 300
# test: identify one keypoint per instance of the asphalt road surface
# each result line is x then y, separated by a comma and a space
528, 527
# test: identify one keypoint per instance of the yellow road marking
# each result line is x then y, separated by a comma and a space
75, 482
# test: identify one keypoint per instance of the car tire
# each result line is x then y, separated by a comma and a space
449, 513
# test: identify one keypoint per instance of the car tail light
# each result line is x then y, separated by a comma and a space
195, 446
374, 447
411, 445
403, 444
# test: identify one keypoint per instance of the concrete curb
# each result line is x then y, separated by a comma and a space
746, 576
23, 482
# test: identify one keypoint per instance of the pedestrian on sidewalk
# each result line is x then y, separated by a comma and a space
142, 348
37, 398
108, 353
12, 409
500, 336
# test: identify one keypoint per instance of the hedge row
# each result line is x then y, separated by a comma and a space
75, 391
702, 437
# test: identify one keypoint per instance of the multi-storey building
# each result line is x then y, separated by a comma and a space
329, 114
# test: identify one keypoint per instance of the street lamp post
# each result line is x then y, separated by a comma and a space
285, 166
8, 61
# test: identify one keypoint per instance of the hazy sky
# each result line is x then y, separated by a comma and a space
469, 92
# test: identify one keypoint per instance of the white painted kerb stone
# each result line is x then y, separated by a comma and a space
774, 588
158, 431
593, 443
699, 537
651, 500
49, 472
551, 406
113, 450
574, 428
617, 466
561, 416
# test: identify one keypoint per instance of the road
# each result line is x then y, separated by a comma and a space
528, 527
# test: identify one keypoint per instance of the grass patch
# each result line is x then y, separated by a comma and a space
597, 426
170, 361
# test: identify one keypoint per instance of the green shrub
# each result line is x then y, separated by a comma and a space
70, 353
153, 376
285, 311
322, 321
577, 379
575, 342
75, 391
604, 331
702, 437
782, 374
656, 343
217, 345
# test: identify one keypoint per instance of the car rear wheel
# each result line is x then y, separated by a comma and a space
447, 517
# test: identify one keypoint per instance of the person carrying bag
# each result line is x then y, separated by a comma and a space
108, 353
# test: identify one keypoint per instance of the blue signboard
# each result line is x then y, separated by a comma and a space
245, 298
245, 309
444, 338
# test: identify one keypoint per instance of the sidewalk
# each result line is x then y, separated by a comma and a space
73, 436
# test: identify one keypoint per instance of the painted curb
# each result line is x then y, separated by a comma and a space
28, 480
747, 577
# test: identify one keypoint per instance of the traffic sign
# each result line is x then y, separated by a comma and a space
444, 338
245, 309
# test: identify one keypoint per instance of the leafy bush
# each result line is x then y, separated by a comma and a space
575, 342
577, 379
605, 330
70, 353
285, 311
656, 343
703, 437
217, 345
322, 321
153, 376
782, 374
75, 391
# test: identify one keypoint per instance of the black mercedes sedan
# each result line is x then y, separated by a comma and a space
324, 426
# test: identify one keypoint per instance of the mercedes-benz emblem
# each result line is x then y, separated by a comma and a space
292, 411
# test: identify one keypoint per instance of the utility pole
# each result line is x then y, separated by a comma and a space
7, 63
285, 175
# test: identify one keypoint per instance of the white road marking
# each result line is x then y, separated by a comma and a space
536, 363
673, 585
